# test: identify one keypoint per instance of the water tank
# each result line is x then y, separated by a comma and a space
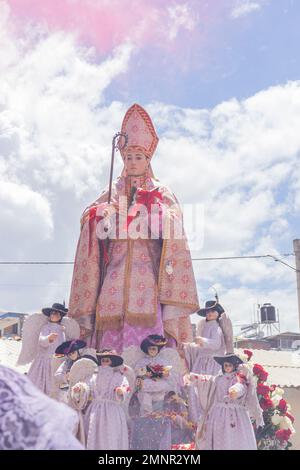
267, 313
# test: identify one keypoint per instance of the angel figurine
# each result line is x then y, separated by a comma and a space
214, 337
78, 396
105, 418
228, 400
156, 369
71, 351
42, 333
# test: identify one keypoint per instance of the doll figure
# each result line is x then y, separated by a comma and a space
70, 350
228, 400
214, 337
154, 375
105, 418
42, 334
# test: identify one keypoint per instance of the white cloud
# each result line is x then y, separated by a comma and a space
52, 100
180, 17
24, 211
244, 7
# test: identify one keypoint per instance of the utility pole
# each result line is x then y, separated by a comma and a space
296, 244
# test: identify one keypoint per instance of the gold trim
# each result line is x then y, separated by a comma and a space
180, 304
161, 264
138, 319
109, 323
128, 269
170, 334
127, 273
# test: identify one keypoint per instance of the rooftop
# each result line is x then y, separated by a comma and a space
9, 353
283, 366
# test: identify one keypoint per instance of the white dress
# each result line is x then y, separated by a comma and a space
105, 419
41, 371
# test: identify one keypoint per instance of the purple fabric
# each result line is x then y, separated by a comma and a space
127, 336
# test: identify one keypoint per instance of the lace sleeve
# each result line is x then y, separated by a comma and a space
29, 420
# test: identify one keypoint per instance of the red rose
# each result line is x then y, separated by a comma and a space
262, 389
282, 405
283, 434
260, 372
266, 403
248, 353
290, 416
256, 369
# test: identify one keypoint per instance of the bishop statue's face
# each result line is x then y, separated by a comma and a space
136, 163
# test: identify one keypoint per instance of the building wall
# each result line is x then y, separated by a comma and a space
253, 344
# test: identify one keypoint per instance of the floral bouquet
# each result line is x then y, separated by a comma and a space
154, 371
278, 420
190, 446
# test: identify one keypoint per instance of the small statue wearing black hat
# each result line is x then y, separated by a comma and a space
107, 390
42, 333
228, 400
70, 350
156, 372
214, 337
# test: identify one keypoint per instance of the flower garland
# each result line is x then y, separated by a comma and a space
278, 428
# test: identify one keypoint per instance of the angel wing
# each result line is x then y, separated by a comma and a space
172, 358
200, 326
30, 336
226, 327
72, 328
82, 370
55, 363
132, 355
252, 401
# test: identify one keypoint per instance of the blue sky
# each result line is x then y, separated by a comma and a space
251, 53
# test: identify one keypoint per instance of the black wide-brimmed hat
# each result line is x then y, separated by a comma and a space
116, 359
232, 358
211, 305
70, 346
55, 308
153, 340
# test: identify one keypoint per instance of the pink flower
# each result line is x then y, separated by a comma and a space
260, 372
266, 403
283, 434
282, 405
248, 353
291, 417
262, 389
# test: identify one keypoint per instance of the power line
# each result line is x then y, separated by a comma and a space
34, 262
218, 258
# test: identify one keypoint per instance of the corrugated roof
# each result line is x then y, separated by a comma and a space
5, 322
283, 366
9, 353
285, 333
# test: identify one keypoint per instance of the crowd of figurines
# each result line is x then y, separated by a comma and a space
198, 395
